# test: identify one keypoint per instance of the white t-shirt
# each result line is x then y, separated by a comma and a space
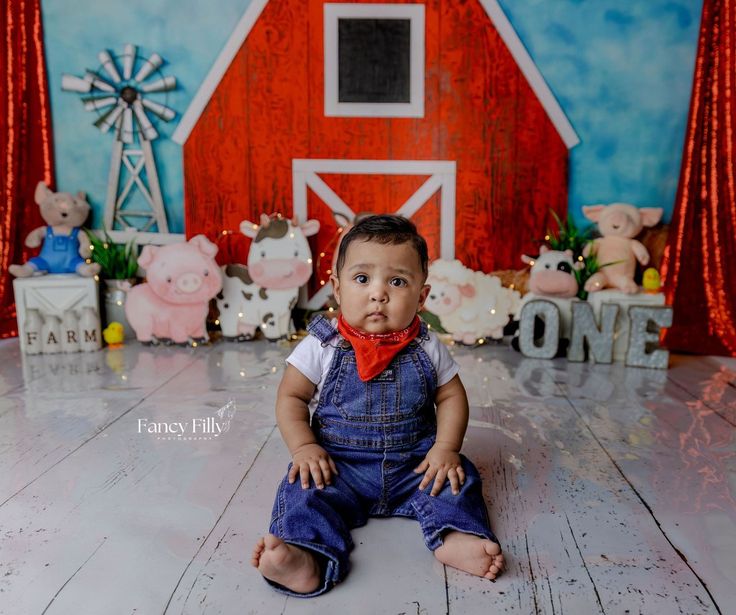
314, 360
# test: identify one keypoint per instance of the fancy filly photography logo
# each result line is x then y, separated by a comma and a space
197, 428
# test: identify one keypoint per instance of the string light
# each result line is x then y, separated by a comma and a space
217, 322
194, 344
546, 237
580, 258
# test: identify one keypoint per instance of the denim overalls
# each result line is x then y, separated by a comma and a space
376, 432
59, 254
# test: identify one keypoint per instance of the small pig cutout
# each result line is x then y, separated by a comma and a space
173, 302
617, 250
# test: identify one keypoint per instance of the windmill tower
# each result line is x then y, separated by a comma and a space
123, 101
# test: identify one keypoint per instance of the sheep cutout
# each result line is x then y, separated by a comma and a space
471, 305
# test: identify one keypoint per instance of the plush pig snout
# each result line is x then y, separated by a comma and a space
189, 283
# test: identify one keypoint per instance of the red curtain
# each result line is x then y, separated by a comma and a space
26, 152
700, 259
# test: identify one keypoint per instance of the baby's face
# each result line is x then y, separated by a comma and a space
380, 287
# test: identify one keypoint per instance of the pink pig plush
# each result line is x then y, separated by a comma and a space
173, 303
618, 224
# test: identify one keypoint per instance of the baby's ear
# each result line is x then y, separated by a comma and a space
423, 294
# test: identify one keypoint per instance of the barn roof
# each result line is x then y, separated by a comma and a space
493, 10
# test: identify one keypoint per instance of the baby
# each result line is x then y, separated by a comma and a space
389, 413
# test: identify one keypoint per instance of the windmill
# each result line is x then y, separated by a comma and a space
123, 100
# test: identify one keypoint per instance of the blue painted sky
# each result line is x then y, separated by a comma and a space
622, 72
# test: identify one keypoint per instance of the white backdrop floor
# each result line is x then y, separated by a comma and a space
611, 489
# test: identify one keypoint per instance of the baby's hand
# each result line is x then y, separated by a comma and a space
312, 459
441, 464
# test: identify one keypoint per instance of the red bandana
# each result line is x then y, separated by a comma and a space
374, 351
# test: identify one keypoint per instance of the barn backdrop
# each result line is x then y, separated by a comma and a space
437, 106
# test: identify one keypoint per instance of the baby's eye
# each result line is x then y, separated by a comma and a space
398, 282
361, 278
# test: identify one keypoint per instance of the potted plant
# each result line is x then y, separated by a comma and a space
119, 266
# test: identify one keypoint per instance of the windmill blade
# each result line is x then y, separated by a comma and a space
160, 85
165, 113
148, 131
108, 119
128, 60
98, 82
125, 130
109, 65
150, 65
100, 103
72, 83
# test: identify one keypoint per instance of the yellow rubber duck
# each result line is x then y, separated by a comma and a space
114, 334
650, 280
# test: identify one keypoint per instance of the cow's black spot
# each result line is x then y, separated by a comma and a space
563, 266
263, 294
220, 296
240, 272
248, 296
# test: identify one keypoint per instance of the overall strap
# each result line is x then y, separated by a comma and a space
321, 328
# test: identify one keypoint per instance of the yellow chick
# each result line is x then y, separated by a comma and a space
114, 334
650, 280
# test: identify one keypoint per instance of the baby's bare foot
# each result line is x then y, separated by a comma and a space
472, 554
287, 565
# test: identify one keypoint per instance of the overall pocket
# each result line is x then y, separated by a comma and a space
396, 394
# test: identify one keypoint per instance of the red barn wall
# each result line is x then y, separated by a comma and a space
479, 111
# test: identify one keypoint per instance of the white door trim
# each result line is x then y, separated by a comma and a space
441, 177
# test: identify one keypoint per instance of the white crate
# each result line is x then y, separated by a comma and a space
52, 295
624, 302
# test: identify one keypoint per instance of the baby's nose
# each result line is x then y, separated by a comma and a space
379, 293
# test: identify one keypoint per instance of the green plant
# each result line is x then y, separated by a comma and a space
118, 261
568, 236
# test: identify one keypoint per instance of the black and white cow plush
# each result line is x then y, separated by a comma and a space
552, 278
262, 295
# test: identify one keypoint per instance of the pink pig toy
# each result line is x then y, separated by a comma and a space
180, 281
618, 224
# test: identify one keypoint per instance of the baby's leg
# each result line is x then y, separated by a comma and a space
470, 553
307, 549
456, 527
294, 568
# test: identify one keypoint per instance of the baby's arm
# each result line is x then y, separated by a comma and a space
443, 459
292, 415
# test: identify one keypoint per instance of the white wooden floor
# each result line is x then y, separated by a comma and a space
612, 490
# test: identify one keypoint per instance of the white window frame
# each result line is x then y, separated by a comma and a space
413, 12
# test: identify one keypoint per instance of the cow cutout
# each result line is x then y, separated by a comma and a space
262, 294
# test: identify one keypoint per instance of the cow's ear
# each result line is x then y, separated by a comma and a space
527, 259
310, 227
249, 229
543, 249
569, 252
341, 219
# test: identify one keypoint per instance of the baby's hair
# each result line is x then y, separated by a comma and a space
385, 229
